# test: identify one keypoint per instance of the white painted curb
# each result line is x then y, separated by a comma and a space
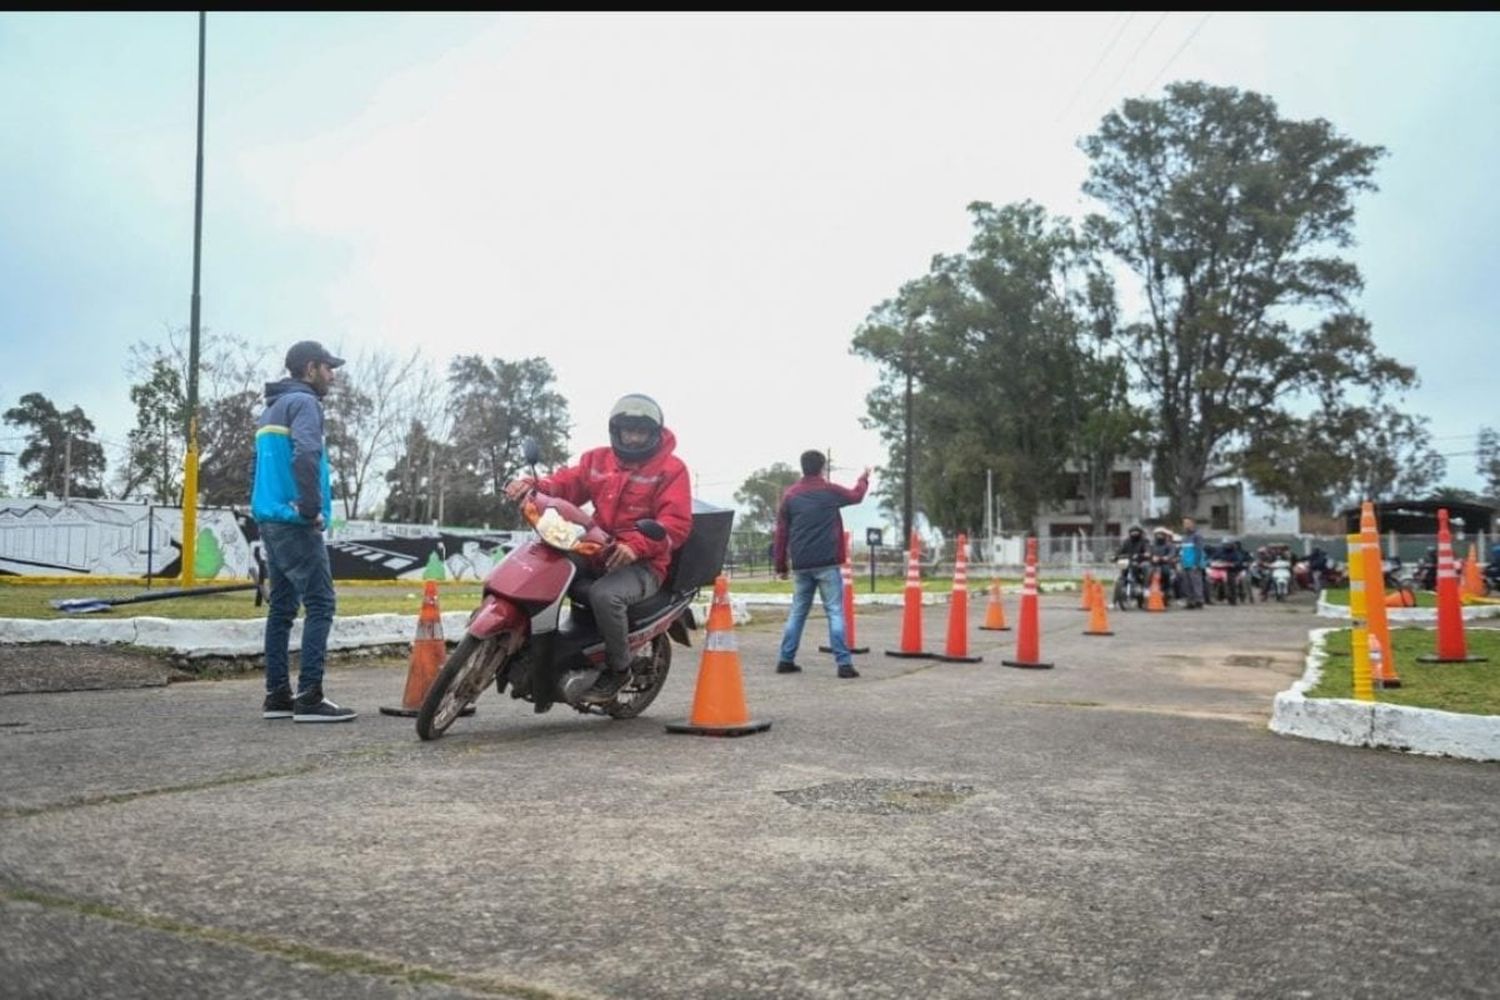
1372, 724
1470, 612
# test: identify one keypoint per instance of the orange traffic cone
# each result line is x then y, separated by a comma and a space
1028, 640
1154, 601
994, 612
1473, 582
1098, 614
428, 651
957, 649
847, 572
911, 622
1452, 647
719, 700
1086, 598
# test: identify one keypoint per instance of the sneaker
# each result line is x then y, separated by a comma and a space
788, 667
278, 704
311, 706
848, 671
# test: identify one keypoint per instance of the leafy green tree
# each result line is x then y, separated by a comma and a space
226, 447
60, 458
1342, 454
1487, 461
157, 444
1008, 370
376, 397
760, 497
1231, 216
492, 406
411, 481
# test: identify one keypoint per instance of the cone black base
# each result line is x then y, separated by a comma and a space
411, 713
1098, 633
741, 730
852, 649
1029, 666
958, 659
1002, 628
1460, 659
911, 656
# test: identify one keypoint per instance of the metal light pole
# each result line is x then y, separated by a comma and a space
906, 507
190, 473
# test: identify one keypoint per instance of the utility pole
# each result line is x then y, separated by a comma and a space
989, 511
67, 466
906, 508
190, 474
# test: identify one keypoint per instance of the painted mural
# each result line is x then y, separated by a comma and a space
109, 538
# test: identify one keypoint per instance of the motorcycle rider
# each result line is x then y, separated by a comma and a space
1427, 569
1164, 560
1233, 552
1137, 549
636, 477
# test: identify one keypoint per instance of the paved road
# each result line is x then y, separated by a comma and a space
1121, 825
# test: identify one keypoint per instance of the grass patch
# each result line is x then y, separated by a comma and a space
1471, 688
1333, 595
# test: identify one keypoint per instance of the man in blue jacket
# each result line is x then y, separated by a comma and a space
810, 538
292, 504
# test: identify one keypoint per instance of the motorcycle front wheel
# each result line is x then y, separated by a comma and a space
468, 671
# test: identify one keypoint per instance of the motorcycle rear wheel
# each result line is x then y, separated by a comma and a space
468, 671
643, 687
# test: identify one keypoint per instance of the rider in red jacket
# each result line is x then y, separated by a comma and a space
636, 477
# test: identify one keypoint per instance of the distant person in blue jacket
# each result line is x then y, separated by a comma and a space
810, 542
1193, 559
292, 504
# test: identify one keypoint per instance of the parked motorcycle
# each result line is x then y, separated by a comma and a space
518, 638
1281, 576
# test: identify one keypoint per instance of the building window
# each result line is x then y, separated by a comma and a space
1119, 485
1072, 486
1218, 517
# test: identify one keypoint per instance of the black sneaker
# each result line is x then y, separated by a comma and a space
278, 704
311, 706
788, 667
848, 671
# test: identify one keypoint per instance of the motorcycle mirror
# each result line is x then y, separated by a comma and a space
651, 529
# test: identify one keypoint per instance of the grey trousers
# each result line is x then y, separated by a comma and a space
1192, 585
610, 597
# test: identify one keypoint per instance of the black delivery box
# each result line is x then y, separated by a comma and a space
701, 559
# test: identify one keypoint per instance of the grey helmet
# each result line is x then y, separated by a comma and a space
635, 411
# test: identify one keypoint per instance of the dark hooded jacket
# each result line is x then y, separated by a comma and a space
291, 462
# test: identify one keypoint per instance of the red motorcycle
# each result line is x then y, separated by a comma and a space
518, 638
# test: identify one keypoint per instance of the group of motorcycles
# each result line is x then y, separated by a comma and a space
1274, 572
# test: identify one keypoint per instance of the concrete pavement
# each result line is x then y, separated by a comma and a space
1122, 825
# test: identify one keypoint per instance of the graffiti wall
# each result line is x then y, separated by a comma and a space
107, 538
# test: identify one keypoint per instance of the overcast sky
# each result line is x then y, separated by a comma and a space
700, 207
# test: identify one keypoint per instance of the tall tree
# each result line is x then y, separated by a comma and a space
1230, 217
492, 406
61, 457
1011, 375
1487, 461
229, 391
371, 407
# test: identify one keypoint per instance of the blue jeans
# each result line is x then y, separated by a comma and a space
829, 583
297, 561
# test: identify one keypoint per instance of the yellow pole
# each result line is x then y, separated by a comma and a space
1358, 608
190, 507
1380, 626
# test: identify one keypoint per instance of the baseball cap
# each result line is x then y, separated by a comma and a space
305, 351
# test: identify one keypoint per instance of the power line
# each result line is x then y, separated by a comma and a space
1097, 63
1185, 43
1126, 68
